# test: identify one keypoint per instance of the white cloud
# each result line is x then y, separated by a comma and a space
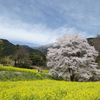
34, 21
37, 33
83, 15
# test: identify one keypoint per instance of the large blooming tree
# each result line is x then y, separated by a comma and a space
72, 58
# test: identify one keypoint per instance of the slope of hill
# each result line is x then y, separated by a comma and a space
96, 43
31, 50
44, 48
9, 48
20, 74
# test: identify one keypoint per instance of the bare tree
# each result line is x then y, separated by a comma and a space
20, 55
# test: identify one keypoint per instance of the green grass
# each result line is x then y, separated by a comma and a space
8, 73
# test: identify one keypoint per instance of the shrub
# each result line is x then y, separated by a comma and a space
24, 65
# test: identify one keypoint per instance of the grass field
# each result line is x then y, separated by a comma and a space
9, 73
44, 88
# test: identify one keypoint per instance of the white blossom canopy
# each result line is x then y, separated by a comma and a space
71, 55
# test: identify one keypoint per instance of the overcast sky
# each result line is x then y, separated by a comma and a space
42, 21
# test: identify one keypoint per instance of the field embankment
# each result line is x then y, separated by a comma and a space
9, 73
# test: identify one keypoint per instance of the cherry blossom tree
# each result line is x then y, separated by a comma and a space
72, 58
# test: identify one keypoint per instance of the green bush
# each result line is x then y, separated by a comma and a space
38, 60
24, 65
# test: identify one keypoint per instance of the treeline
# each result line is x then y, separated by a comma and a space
96, 43
25, 57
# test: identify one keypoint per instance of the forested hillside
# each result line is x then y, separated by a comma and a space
9, 48
92, 41
20, 55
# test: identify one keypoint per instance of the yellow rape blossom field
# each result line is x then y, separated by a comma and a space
47, 89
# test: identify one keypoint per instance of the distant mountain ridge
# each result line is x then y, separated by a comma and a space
31, 50
8, 48
44, 48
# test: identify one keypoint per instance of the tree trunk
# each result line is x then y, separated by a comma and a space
15, 63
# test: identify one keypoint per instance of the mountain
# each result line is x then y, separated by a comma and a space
9, 48
96, 43
43, 48
31, 50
